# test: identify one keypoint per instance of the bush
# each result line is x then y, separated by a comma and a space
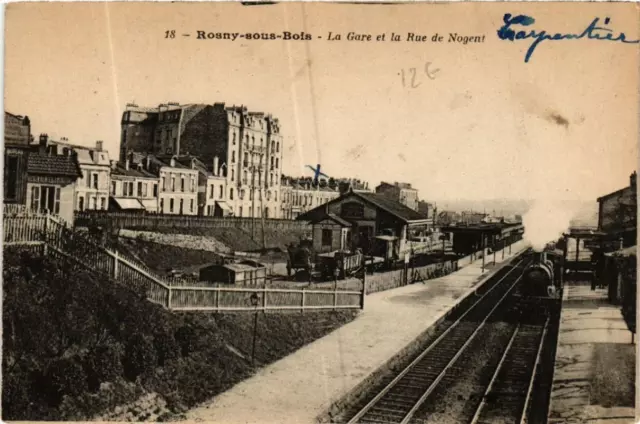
65, 376
140, 356
104, 364
166, 346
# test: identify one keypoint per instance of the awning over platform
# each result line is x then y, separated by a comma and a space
224, 206
127, 203
626, 252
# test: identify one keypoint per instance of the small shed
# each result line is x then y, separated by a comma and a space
245, 273
330, 233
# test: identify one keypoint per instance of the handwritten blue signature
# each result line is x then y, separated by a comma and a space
591, 32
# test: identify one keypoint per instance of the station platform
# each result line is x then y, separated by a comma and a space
303, 385
594, 375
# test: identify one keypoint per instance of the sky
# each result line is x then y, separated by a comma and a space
489, 125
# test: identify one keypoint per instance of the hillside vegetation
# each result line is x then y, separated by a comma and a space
77, 345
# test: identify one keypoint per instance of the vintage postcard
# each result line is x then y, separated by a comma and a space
320, 212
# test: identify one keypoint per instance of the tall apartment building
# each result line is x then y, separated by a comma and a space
248, 145
400, 192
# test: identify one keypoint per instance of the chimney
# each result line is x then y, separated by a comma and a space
173, 162
148, 162
632, 179
114, 164
99, 145
43, 139
126, 163
216, 171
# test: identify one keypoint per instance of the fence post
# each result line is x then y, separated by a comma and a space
335, 298
302, 303
169, 298
217, 299
115, 265
264, 299
364, 288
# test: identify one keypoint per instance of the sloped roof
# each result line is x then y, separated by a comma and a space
59, 165
394, 208
400, 211
332, 217
133, 171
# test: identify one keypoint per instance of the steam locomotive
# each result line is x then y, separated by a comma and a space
542, 277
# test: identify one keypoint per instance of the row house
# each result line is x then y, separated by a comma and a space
92, 190
300, 196
133, 187
52, 173
211, 186
249, 145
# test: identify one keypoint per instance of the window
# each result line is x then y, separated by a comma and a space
278, 147
113, 188
233, 174
276, 196
181, 211
234, 137
221, 192
240, 211
131, 189
95, 181
171, 205
164, 184
161, 205
144, 189
212, 191
326, 237
103, 203
231, 194
80, 203
45, 198
233, 157
191, 206
277, 163
139, 189
352, 210
182, 183
11, 177
87, 181
193, 185
173, 183
94, 203
155, 190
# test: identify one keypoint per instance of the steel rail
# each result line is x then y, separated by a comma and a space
523, 417
408, 368
453, 360
476, 416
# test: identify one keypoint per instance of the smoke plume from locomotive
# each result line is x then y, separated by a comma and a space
545, 221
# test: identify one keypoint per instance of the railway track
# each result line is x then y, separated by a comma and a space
509, 393
399, 400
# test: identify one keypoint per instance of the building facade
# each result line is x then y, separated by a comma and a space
133, 187
17, 136
617, 213
248, 145
400, 192
301, 195
52, 173
92, 190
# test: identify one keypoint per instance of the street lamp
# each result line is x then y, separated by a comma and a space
254, 302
